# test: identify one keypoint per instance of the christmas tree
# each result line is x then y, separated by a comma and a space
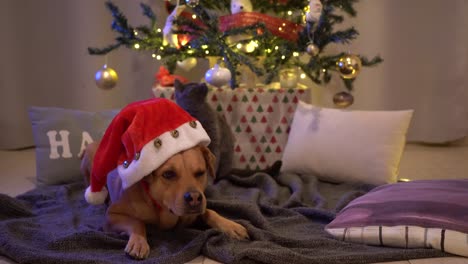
263, 36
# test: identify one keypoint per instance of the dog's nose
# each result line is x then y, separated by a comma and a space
193, 198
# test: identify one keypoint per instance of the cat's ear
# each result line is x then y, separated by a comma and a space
203, 89
178, 85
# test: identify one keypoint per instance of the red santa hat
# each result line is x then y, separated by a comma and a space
140, 139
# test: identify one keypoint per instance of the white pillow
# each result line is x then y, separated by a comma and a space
346, 145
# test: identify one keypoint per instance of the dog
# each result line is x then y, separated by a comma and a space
171, 196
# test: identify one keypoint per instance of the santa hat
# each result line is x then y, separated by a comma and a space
140, 139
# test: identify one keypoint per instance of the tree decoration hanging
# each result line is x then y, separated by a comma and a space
106, 78
278, 32
187, 64
349, 66
312, 49
192, 3
218, 76
343, 99
314, 11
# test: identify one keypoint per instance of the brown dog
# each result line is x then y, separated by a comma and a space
169, 197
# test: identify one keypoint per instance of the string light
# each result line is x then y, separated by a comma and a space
249, 47
153, 55
183, 40
135, 33
207, 52
296, 54
158, 57
159, 30
290, 13
194, 16
136, 46
303, 76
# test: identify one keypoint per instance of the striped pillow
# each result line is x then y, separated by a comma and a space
418, 214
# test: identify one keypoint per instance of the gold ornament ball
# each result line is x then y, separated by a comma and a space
343, 99
349, 66
187, 64
312, 50
106, 78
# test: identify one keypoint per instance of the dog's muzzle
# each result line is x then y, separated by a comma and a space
193, 202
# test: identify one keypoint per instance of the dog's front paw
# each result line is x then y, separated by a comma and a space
137, 247
234, 230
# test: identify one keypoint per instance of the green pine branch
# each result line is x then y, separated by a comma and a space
207, 40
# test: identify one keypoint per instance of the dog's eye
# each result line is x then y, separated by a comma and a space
199, 174
169, 175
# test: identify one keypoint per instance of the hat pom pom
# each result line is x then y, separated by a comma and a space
96, 198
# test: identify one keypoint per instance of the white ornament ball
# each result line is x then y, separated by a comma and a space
192, 3
315, 11
238, 6
218, 76
187, 64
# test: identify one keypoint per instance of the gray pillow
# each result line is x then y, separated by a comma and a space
60, 135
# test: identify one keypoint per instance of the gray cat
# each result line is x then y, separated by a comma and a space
192, 98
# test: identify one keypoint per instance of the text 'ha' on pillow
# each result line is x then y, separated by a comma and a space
60, 136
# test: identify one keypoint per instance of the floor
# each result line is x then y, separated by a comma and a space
203, 260
418, 162
433, 261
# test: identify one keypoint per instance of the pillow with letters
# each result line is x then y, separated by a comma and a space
60, 136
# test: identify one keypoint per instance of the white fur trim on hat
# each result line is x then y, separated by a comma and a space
151, 157
96, 198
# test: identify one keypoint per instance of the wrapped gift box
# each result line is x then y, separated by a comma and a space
259, 118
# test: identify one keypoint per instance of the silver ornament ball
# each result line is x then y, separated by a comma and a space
312, 49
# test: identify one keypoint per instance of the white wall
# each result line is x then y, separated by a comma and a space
44, 62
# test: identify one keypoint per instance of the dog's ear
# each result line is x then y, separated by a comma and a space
210, 160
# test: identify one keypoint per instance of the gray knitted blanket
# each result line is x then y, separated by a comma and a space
285, 217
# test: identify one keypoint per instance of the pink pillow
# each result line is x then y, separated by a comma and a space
418, 214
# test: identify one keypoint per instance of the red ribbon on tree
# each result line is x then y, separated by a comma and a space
282, 28
277, 26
